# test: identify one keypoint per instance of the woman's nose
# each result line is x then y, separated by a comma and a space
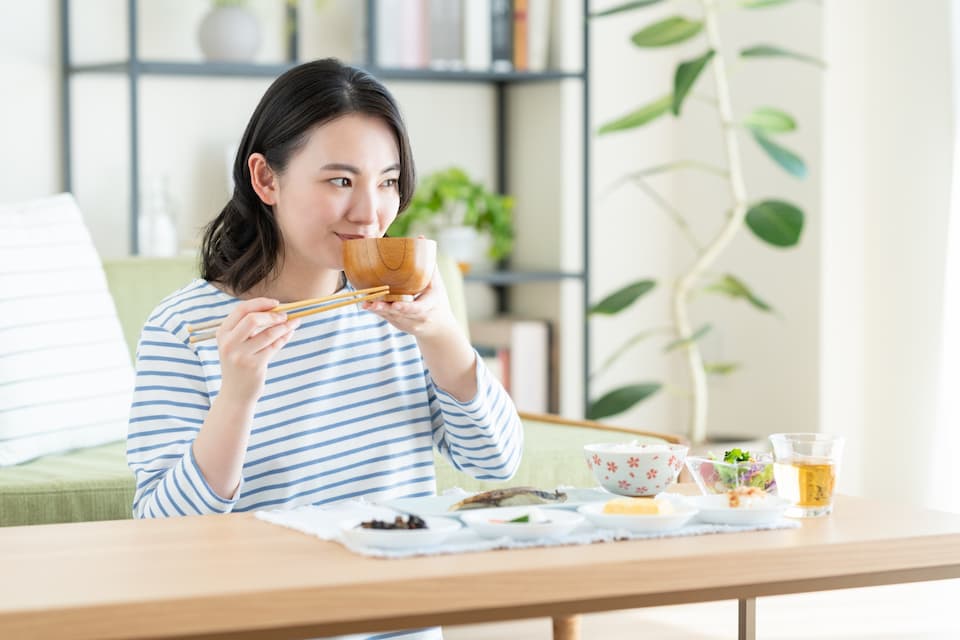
363, 210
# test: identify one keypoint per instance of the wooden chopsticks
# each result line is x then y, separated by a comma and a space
208, 330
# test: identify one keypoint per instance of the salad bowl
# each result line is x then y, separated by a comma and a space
737, 469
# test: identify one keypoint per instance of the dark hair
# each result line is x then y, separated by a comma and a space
241, 246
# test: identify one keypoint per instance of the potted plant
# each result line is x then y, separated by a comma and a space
468, 220
774, 221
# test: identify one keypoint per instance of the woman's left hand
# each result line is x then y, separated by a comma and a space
427, 316
446, 351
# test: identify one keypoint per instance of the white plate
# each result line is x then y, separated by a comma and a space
493, 523
440, 505
438, 530
716, 509
639, 523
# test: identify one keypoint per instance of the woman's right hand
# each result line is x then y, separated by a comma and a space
248, 339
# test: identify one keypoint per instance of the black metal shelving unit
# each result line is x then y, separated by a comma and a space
135, 68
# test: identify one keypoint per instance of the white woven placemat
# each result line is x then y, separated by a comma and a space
324, 523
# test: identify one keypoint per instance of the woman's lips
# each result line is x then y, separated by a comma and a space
348, 236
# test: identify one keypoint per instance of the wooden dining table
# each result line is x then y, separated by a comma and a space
235, 576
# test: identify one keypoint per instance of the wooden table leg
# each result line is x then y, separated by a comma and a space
566, 627
747, 619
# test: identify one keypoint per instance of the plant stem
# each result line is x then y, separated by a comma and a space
683, 164
672, 212
697, 429
702, 98
627, 345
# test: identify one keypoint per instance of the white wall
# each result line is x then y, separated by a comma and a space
777, 387
887, 152
29, 101
630, 238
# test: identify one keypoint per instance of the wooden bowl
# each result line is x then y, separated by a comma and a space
406, 265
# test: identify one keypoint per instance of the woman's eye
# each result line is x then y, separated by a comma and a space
340, 182
390, 182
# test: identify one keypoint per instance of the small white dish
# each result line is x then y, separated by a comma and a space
716, 509
543, 523
639, 523
425, 505
438, 529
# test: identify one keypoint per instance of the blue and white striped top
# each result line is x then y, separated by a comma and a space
348, 410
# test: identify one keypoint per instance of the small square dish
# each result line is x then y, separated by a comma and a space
521, 523
716, 509
437, 530
673, 516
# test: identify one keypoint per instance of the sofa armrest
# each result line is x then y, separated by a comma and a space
138, 285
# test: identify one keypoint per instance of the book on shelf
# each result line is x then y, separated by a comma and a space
501, 35
538, 35
403, 35
476, 35
517, 351
521, 31
453, 35
446, 35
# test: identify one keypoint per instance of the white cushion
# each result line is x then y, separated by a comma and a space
65, 374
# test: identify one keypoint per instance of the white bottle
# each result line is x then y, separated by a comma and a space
156, 231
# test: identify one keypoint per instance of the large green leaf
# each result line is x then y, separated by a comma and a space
720, 368
788, 160
666, 32
776, 222
627, 6
761, 4
735, 288
640, 117
770, 120
684, 342
770, 51
684, 78
623, 298
619, 400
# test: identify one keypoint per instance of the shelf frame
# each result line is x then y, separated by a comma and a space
136, 68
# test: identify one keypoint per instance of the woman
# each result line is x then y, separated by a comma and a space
278, 413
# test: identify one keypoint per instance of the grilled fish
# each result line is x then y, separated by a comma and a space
512, 496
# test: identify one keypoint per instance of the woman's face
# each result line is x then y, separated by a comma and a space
344, 183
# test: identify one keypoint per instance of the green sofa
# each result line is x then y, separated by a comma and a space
96, 484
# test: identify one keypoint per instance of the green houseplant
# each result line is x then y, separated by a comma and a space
450, 199
774, 221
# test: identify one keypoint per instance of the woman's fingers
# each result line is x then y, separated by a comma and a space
242, 310
271, 349
255, 322
247, 341
268, 337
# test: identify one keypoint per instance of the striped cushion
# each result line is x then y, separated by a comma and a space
65, 375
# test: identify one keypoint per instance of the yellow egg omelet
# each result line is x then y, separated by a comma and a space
637, 507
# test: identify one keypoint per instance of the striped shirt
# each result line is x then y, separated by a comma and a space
348, 410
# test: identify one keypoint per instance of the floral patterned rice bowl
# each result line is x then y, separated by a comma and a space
635, 469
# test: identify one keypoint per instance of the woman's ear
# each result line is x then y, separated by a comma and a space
262, 178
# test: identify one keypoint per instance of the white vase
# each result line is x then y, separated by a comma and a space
467, 246
156, 230
229, 34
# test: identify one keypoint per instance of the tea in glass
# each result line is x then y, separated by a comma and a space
805, 469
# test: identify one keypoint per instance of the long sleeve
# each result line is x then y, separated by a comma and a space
347, 411
170, 403
483, 436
